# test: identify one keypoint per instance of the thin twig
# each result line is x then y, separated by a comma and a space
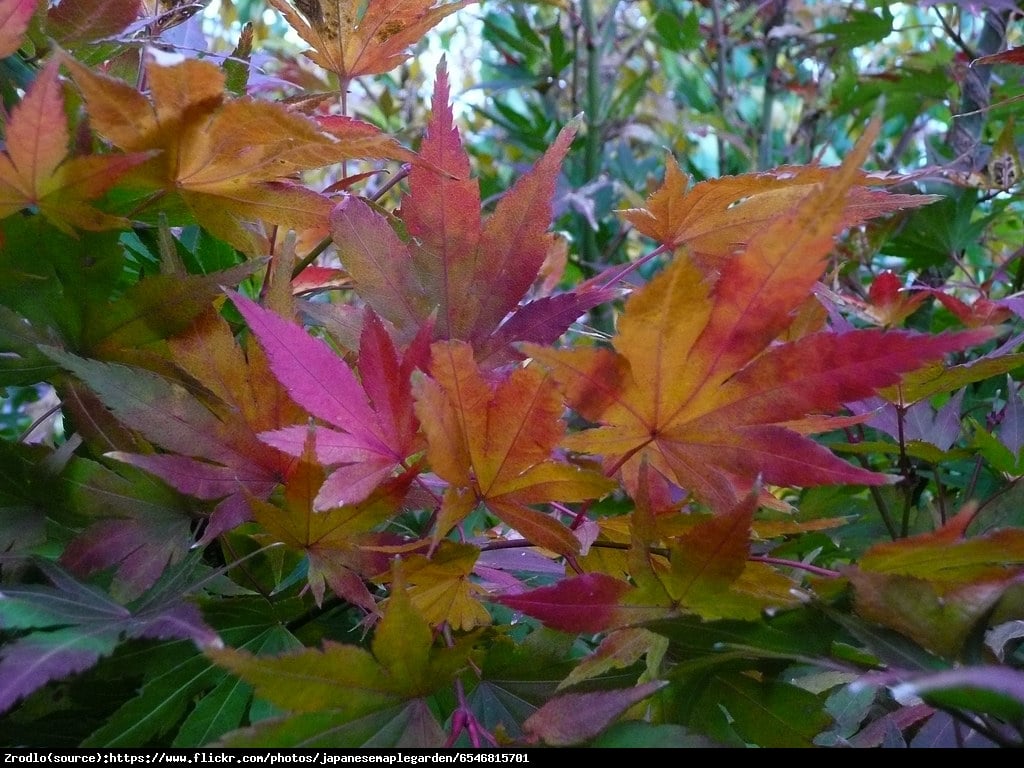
955, 36
721, 77
38, 422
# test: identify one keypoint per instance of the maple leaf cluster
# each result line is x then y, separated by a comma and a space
390, 449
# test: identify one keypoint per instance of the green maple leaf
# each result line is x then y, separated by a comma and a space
333, 691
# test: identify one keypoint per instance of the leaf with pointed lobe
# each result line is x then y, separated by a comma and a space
888, 302
1010, 55
466, 274
161, 409
337, 685
177, 677
619, 649
227, 159
15, 16
708, 571
408, 725
138, 527
541, 321
213, 449
948, 557
734, 707
572, 718
441, 589
353, 39
697, 385
372, 425
938, 617
935, 587
154, 309
73, 22
937, 377
343, 548
715, 218
36, 171
1011, 428
314, 279
73, 625
493, 444
379, 263
587, 603
991, 689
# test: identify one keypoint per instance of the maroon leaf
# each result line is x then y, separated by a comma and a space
587, 603
83, 21
575, 717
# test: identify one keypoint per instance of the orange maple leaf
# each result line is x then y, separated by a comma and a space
342, 543
226, 159
700, 386
353, 38
36, 171
717, 217
493, 445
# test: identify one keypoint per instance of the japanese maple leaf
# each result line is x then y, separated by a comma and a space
352, 38
78, 22
716, 217
372, 429
213, 452
226, 159
59, 630
937, 587
493, 445
341, 543
707, 573
15, 16
138, 526
441, 587
327, 691
469, 274
697, 384
888, 302
36, 172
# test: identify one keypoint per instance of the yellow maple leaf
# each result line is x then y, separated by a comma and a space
227, 159
353, 38
717, 217
37, 172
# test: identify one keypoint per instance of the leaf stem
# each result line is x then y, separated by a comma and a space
940, 494
36, 424
817, 570
463, 718
390, 183
973, 482
876, 495
962, 44
310, 257
635, 265
240, 564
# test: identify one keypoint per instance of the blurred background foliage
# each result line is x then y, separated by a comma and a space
725, 87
